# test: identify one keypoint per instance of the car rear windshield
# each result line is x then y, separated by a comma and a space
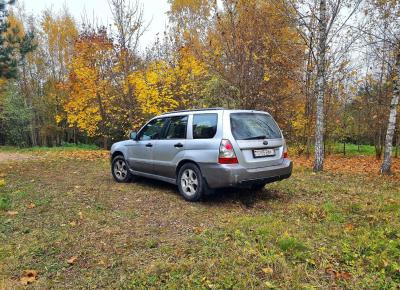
253, 126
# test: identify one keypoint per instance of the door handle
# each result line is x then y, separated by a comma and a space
149, 145
178, 145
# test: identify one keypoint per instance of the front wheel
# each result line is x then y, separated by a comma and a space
191, 183
120, 170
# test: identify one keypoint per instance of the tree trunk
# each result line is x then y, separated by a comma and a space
387, 157
320, 88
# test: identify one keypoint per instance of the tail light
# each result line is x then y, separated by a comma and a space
285, 153
226, 153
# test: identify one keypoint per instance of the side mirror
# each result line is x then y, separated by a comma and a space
133, 136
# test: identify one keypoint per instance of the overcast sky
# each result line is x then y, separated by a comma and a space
154, 11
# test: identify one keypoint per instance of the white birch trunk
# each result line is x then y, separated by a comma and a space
387, 157
320, 87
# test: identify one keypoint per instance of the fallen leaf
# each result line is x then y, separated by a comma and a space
198, 230
80, 215
348, 227
268, 270
12, 212
72, 260
345, 275
2, 182
28, 277
338, 275
72, 224
31, 205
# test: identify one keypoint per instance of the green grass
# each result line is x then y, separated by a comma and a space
292, 235
353, 149
64, 147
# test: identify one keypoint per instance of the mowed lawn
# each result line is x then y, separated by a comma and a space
63, 218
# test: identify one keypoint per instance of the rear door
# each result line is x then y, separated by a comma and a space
170, 146
258, 137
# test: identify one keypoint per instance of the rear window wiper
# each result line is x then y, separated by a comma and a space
256, 137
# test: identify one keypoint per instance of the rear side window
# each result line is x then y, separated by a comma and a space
204, 126
253, 126
177, 128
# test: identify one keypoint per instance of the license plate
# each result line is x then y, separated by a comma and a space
263, 153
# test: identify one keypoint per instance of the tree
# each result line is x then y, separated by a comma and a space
250, 50
320, 87
130, 26
164, 87
14, 43
91, 105
15, 117
387, 158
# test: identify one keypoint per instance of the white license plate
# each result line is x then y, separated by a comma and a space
258, 153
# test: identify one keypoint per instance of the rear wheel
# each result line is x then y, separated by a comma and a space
191, 183
120, 170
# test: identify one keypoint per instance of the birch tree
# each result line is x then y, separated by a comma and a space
320, 87
387, 157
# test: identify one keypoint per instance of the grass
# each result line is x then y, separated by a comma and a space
354, 149
63, 147
313, 231
351, 149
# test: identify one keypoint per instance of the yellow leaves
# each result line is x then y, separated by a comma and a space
267, 270
2, 182
90, 99
28, 277
164, 87
16, 26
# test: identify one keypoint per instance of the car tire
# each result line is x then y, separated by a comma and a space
258, 186
120, 170
191, 183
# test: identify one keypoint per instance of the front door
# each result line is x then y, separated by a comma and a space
168, 149
141, 150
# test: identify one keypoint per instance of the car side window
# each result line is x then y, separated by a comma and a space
204, 126
177, 128
153, 130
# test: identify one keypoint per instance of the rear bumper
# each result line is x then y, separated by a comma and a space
233, 175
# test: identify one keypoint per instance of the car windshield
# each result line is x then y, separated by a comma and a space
253, 126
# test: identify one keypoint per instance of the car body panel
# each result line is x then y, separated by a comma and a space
162, 159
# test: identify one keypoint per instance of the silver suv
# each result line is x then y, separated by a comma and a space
201, 150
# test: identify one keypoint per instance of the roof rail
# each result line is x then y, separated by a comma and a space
193, 110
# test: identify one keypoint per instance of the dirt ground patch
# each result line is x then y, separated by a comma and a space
11, 156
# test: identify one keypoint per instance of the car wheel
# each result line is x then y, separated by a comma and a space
120, 170
258, 186
191, 183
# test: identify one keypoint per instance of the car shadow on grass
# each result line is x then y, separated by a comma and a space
223, 196
246, 197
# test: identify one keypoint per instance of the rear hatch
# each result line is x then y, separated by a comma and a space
259, 138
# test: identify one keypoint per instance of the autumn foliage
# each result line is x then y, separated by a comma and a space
90, 83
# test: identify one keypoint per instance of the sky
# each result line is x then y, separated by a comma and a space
154, 13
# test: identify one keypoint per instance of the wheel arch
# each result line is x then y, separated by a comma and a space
117, 153
183, 162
